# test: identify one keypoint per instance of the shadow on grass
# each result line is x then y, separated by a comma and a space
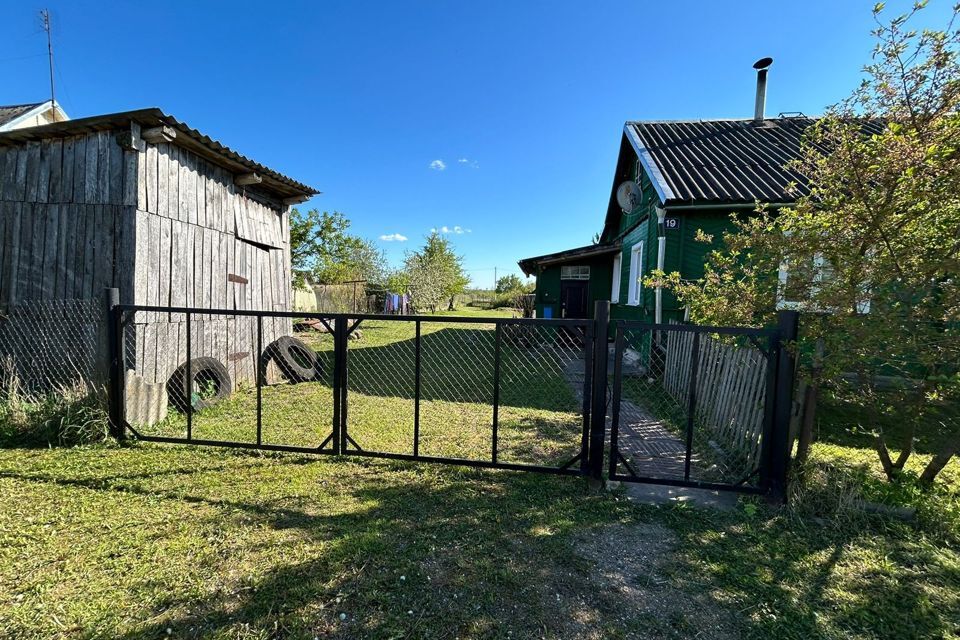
457, 365
798, 580
482, 553
463, 544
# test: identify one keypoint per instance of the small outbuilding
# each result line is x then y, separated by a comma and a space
144, 203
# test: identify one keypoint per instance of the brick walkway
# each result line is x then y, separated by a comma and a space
645, 441
648, 445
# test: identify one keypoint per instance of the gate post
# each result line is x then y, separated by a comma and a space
111, 344
788, 323
598, 394
339, 384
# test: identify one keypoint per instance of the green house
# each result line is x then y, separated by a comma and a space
672, 179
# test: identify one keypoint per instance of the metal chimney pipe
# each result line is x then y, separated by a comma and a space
761, 100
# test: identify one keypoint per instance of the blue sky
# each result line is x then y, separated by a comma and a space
521, 103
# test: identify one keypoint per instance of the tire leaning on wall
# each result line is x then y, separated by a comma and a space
295, 359
207, 373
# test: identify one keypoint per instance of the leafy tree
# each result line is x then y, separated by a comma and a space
435, 273
321, 247
872, 253
511, 282
397, 281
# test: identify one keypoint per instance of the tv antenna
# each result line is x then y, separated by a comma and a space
45, 20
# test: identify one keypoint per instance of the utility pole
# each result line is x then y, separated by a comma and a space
45, 17
494, 279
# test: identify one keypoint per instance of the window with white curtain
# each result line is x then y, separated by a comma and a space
799, 281
615, 291
636, 272
577, 272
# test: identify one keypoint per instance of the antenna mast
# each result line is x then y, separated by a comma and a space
45, 17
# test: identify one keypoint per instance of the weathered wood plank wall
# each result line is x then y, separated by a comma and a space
731, 390
163, 225
66, 226
203, 242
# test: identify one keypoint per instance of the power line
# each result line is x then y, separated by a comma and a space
34, 55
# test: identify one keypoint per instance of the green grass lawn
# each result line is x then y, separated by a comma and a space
150, 540
107, 541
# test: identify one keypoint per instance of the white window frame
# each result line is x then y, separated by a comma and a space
617, 266
636, 272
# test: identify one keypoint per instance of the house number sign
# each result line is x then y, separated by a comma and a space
671, 224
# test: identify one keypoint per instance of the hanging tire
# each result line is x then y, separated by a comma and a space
295, 359
209, 383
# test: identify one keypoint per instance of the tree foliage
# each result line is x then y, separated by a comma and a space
871, 247
508, 283
435, 274
322, 249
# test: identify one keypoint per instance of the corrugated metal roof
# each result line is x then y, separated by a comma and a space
187, 137
9, 112
721, 161
529, 265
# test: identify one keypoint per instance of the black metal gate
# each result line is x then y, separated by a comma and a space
478, 390
691, 406
697, 406
482, 392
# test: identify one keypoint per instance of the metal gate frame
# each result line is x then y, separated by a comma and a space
117, 320
590, 459
616, 458
576, 466
774, 453
339, 441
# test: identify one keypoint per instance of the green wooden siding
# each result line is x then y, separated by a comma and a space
598, 287
683, 253
639, 224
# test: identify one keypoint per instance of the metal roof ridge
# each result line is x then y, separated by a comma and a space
25, 104
708, 120
211, 145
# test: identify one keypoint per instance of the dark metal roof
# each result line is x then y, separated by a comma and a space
721, 161
9, 112
187, 138
529, 265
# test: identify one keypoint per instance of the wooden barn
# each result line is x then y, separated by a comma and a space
142, 202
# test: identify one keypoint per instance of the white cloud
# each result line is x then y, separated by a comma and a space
393, 237
468, 162
455, 229
438, 165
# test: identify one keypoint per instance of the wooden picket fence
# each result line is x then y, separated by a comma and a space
731, 390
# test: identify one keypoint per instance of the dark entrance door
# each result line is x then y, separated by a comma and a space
573, 299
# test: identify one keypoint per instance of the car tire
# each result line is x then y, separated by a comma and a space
295, 359
203, 371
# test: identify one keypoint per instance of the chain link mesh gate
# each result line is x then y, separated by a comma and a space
485, 392
692, 406
496, 392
